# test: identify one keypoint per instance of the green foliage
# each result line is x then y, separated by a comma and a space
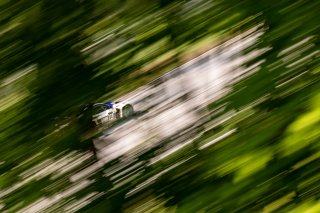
56, 56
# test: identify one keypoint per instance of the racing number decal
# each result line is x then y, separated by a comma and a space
107, 118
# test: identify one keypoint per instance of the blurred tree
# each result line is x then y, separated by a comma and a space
171, 15
280, 31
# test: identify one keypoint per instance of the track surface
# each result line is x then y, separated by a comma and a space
176, 101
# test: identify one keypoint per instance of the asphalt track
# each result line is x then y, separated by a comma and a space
176, 102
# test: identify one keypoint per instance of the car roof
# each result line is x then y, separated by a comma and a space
98, 104
109, 104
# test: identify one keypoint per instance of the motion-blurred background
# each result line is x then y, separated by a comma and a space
226, 92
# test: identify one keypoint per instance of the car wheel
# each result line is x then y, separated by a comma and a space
127, 111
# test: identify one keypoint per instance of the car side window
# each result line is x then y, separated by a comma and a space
99, 109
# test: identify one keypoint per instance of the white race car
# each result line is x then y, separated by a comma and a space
111, 111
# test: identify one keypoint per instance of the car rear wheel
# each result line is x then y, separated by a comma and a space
127, 111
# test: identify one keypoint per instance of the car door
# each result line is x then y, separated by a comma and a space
101, 114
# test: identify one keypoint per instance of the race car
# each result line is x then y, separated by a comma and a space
111, 111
